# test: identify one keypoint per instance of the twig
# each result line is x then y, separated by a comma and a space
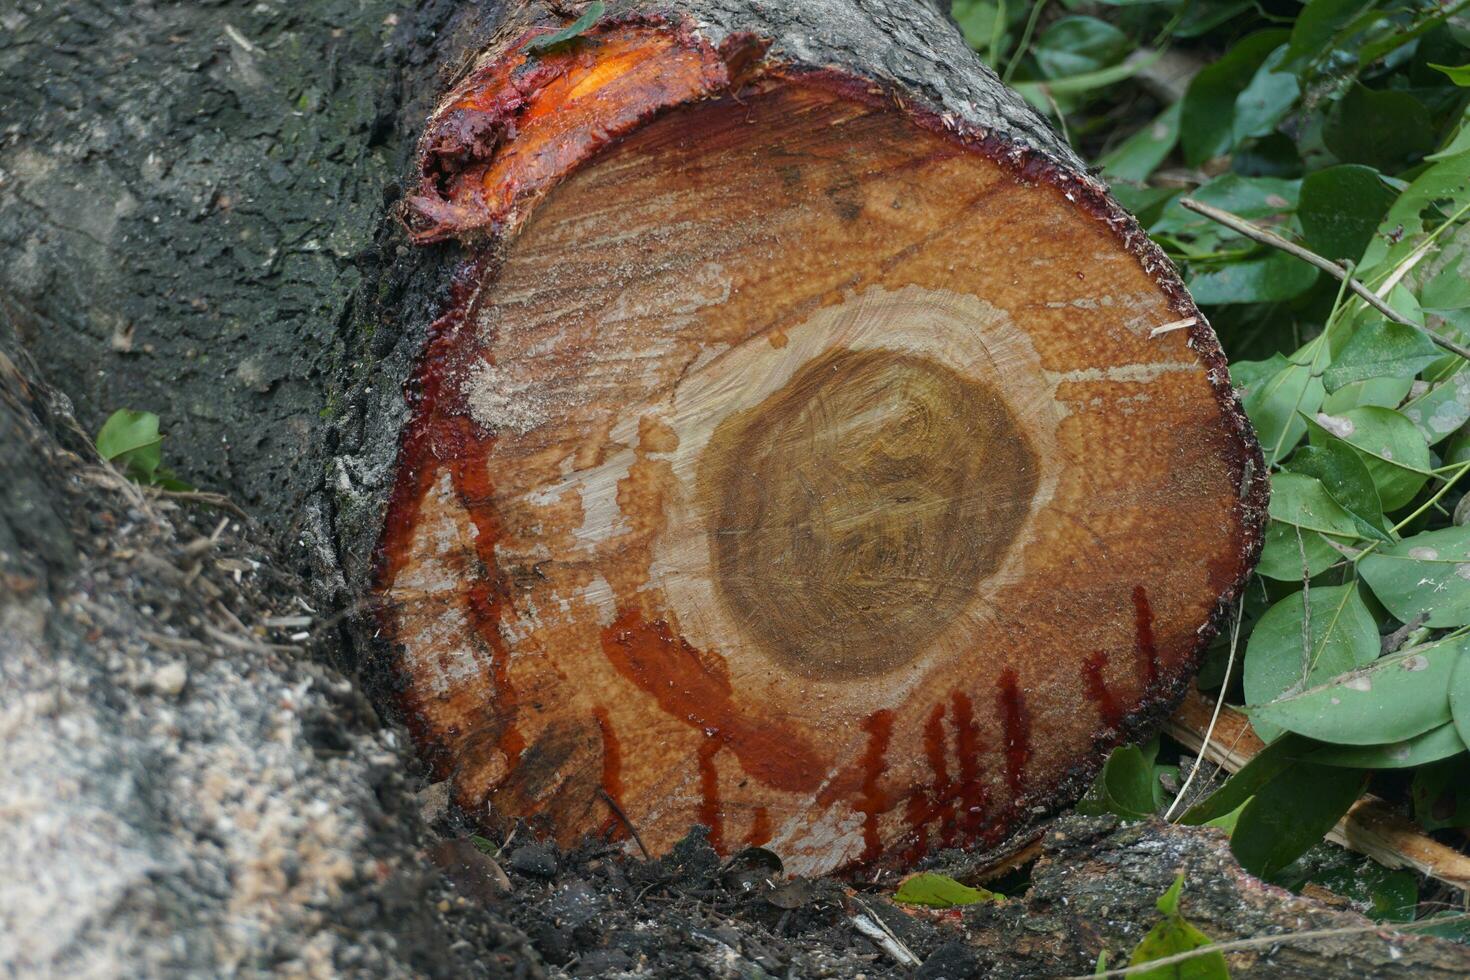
1273, 940
870, 925
204, 497
1367, 295
1199, 758
612, 805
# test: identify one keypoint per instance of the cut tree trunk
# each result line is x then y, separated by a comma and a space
193, 221
797, 450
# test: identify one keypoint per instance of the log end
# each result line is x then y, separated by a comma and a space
792, 459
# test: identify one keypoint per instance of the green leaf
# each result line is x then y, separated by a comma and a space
1076, 45
1390, 700
1431, 746
1382, 129
1460, 698
1228, 821
1305, 640
1277, 393
1379, 349
1317, 25
1340, 208
1140, 154
1412, 214
1247, 197
1388, 443
1304, 502
1426, 574
130, 439
1272, 277
1125, 787
941, 892
1347, 480
1174, 935
1209, 102
1442, 409
1266, 765
576, 28
1282, 555
1389, 895
1441, 793
977, 21
1266, 100
1292, 811
1382, 392
1459, 75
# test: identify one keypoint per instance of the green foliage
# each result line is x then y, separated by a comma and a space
1306, 639
941, 892
1390, 700
1290, 812
578, 27
1172, 936
1340, 125
1129, 785
131, 441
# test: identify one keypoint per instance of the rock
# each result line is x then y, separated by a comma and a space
534, 859
169, 680
952, 961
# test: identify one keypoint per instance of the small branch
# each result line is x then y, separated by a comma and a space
612, 805
870, 925
1256, 234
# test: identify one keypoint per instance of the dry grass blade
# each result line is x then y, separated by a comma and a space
1255, 942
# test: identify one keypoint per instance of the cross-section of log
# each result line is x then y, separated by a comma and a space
795, 454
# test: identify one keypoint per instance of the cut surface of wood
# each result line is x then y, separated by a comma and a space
802, 467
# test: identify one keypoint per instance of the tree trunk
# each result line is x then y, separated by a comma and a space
822, 224
794, 451
183, 795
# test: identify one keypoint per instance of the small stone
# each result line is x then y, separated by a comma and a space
534, 859
169, 680
952, 961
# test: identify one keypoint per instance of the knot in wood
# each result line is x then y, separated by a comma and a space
854, 512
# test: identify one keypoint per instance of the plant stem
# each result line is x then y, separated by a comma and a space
1450, 482
1265, 237
1025, 41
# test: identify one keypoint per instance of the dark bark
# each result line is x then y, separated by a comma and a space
190, 196
1095, 887
183, 795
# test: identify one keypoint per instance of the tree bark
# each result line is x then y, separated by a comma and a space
185, 795
196, 219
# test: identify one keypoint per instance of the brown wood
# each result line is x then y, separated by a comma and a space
792, 456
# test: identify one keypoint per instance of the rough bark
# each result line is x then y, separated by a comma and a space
189, 195
183, 795
194, 220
